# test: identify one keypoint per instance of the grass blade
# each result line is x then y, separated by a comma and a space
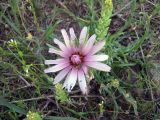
5, 103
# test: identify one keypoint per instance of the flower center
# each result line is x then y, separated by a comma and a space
76, 59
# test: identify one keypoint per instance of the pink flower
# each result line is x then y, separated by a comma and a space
77, 55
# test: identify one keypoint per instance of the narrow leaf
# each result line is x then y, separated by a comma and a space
14, 108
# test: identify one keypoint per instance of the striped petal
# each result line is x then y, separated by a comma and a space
96, 48
85, 69
57, 61
52, 50
56, 67
89, 44
72, 34
96, 58
65, 37
71, 80
82, 82
61, 75
60, 44
83, 35
99, 66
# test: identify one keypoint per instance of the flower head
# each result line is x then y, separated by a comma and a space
33, 116
29, 36
76, 56
12, 43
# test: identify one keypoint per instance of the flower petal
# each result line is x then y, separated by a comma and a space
99, 66
71, 80
96, 48
58, 52
65, 37
83, 35
61, 75
60, 44
72, 34
85, 69
89, 44
57, 61
96, 58
56, 67
82, 82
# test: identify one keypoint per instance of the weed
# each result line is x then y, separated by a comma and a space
130, 29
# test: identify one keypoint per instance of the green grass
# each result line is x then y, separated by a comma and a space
130, 91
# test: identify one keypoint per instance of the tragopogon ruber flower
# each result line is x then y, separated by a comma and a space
76, 56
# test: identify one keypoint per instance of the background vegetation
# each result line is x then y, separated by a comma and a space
130, 91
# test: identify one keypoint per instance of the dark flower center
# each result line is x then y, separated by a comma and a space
76, 59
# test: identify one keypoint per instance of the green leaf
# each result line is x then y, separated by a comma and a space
9, 22
14, 108
14, 5
139, 42
49, 32
119, 32
20, 53
15, 10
